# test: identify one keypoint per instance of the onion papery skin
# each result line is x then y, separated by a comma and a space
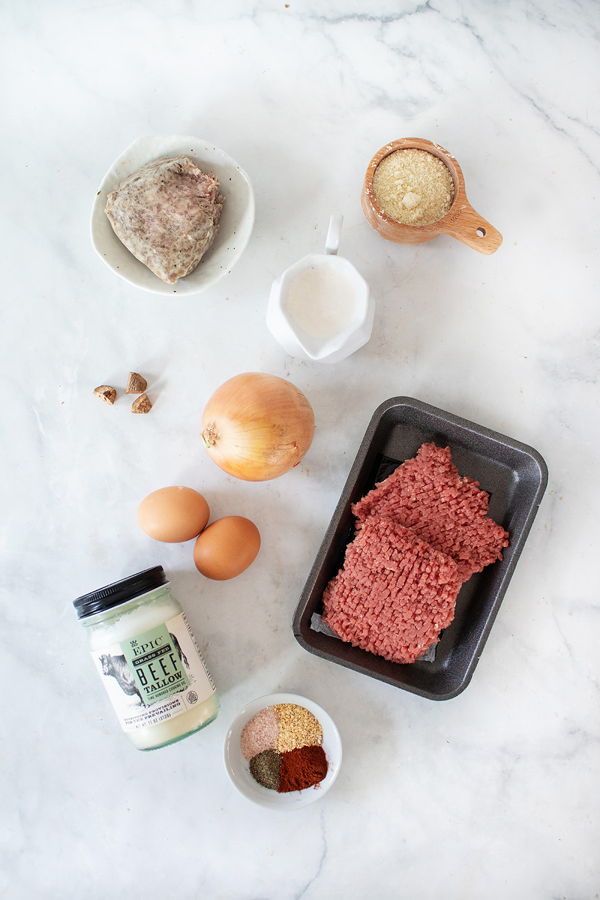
257, 427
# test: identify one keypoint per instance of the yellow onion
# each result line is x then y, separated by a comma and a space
257, 426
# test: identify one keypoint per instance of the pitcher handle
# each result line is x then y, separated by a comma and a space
332, 241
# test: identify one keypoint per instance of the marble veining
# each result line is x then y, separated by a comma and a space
490, 795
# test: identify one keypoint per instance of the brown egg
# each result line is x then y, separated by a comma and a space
173, 514
227, 547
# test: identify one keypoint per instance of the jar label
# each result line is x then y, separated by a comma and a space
156, 662
154, 675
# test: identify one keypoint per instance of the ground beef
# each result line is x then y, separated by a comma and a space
394, 594
167, 214
447, 510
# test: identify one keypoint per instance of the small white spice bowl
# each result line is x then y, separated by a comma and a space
348, 340
235, 227
238, 767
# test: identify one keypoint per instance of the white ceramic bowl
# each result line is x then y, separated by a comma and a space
238, 767
235, 227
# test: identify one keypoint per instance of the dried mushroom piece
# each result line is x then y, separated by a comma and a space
106, 393
137, 384
141, 404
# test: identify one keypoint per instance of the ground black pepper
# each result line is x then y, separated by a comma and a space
264, 768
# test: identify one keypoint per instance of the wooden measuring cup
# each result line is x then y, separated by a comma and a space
461, 221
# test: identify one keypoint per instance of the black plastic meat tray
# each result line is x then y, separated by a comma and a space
514, 475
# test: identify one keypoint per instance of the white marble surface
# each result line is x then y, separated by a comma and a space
494, 794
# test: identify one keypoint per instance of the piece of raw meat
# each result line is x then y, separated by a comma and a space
394, 594
167, 214
445, 509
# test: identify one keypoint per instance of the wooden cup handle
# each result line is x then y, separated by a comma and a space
472, 229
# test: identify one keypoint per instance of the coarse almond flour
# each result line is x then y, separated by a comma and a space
413, 187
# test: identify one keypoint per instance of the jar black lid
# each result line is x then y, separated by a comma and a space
119, 592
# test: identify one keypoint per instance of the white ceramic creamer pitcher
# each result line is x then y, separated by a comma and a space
320, 308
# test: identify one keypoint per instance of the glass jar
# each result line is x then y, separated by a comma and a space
147, 657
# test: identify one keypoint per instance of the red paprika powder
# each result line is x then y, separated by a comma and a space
301, 768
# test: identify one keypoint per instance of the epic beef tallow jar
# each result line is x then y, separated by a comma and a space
148, 659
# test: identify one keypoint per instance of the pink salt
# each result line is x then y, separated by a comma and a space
260, 733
